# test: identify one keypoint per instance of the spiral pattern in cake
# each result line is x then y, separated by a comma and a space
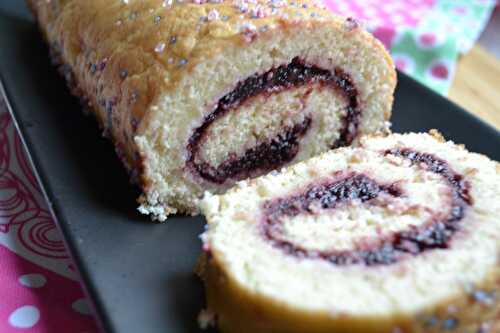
400, 234
198, 95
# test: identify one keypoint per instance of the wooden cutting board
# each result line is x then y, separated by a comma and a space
476, 86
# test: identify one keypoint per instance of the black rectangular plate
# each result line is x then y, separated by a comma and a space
139, 275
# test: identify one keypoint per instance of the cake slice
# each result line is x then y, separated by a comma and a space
400, 234
197, 95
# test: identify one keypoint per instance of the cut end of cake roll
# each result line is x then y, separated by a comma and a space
272, 91
198, 95
399, 234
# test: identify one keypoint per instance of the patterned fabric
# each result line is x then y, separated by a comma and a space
425, 37
39, 290
36, 299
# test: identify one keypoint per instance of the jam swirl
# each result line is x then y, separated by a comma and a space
280, 150
436, 233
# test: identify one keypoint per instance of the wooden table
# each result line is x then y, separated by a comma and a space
476, 86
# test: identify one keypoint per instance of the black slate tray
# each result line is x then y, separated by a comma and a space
139, 275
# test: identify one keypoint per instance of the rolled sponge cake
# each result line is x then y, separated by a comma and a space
197, 95
400, 234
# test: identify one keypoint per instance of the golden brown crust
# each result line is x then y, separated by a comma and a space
239, 311
121, 56
437, 135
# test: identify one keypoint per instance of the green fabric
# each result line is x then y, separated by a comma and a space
454, 25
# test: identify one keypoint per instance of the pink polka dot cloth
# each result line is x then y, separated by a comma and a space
39, 288
425, 37
388, 14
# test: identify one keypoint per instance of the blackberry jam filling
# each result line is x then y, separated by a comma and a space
435, 234
280, 150
263, 157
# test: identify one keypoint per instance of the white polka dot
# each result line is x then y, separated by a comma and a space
380, 22
24, 317
390, 7
398, 18
343, 7
32, 280
81, 306
416, 14
370, 12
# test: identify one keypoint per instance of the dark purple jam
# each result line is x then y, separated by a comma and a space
264, 157
280, 150
328, 196
436, 234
